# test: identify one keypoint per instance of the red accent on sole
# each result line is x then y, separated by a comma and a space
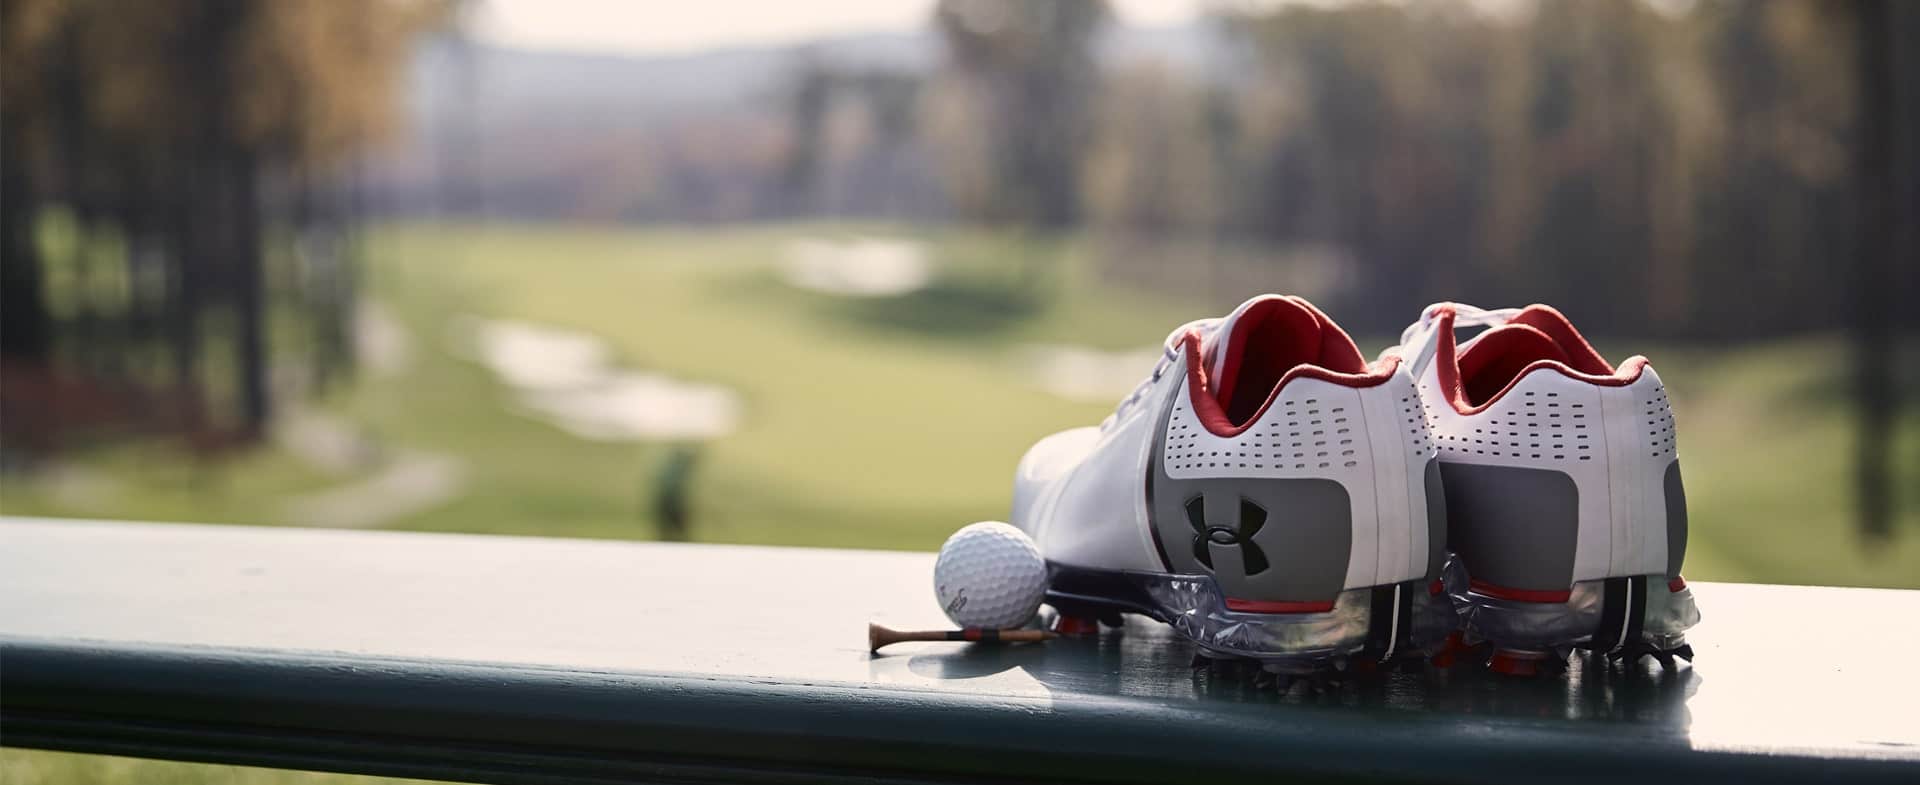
1519, 595
1435, 588
1450, 650
1260, 606
1076, 626
1516, 662
1676, 584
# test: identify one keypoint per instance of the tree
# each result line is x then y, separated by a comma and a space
1023, 76
187, 131
1890, 198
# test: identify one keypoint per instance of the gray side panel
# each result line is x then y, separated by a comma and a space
1436, 520
1263, 539
1302, 529
1676, 520
1513, 527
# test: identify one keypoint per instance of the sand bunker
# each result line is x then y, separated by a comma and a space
566, 378
861, 267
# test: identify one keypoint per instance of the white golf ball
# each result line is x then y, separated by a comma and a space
990, 575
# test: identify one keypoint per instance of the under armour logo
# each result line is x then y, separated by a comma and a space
1252, 517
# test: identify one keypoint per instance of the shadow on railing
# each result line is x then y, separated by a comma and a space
1149, 666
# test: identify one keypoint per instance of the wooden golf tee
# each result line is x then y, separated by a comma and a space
878, 636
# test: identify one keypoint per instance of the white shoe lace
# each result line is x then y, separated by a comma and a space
1463, 316
1416, 342
1169, 352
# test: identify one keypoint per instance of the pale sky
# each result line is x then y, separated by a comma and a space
669, 26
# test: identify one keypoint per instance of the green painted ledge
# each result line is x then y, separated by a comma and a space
523, 660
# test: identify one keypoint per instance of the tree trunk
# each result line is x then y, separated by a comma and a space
249, 290
1888, 82
26, 329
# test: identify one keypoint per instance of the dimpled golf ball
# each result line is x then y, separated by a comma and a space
990, 575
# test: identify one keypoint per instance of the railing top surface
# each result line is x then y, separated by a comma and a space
625, 647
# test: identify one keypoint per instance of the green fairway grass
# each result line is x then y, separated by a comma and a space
34, 767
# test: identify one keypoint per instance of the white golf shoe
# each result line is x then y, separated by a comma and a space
1266, 491
1562, 481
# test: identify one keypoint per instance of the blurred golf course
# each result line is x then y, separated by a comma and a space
873, 422
887, 422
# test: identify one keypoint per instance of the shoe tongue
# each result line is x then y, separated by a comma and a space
1275, 328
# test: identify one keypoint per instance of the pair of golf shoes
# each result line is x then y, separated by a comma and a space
1276, 497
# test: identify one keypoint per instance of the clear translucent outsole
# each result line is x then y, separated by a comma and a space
1556, 627
1282, 643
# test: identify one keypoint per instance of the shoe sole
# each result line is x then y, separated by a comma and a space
1391, 623
1622, 619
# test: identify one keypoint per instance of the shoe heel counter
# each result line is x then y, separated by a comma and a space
1525, 484
1647, 492
1407, 480
1564, 480
1289, 510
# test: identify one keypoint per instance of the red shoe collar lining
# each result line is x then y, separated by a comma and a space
1306, 325
1575, 358
1580, 355
1495, 357
1266, 338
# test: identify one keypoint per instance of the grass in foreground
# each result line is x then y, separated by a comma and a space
36, 767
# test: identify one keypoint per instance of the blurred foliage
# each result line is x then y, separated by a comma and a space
1672, 169
1637, 166
1016, 95
167, 167
306, 81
